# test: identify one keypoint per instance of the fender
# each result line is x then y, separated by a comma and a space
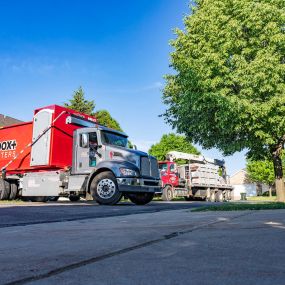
110, 165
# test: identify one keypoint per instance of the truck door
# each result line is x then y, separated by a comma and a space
87, 152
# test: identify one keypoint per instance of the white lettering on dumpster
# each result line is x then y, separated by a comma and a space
7, 149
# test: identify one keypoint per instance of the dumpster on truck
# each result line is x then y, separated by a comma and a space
66, 153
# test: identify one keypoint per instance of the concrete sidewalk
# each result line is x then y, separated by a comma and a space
174, 247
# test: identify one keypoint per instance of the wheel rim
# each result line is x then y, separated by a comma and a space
106, 188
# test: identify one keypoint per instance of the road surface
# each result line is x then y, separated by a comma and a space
162, 243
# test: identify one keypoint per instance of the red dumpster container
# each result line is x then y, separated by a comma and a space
52, 150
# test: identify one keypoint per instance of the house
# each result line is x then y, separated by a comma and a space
241, 184
8, 121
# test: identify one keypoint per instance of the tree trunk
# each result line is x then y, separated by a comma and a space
279, 183
270, 191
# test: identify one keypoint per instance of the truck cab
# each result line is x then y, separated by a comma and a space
104, 153
169, 173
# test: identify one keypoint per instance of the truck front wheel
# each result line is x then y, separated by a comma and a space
167, 193
140, 198
104, 189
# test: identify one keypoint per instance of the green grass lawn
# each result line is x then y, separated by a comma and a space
4, 202
262, 198
242, 207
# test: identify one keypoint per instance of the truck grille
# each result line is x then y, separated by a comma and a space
149, 167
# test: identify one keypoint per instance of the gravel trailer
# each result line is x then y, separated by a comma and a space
200, 177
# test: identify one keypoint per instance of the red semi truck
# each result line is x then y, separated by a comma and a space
199, 177
66, 153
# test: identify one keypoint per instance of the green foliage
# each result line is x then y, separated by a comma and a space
171, 142
80, 104
228, 91
260, 171
104, 118
242, 207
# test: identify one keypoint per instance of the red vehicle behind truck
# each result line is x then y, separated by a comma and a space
66, 153
199, 177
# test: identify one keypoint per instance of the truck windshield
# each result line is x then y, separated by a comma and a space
162, 166
114, 139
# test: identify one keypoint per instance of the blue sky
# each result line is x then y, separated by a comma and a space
117, 51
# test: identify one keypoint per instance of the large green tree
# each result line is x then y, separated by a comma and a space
80, 104
228, 88
170, 142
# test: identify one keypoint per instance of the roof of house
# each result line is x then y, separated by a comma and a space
240, 177
8, 121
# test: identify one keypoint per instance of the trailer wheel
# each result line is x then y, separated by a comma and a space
212, 196
220, 196
14, 191
4, 189
104, 189
227, 196
140, 198
167, 194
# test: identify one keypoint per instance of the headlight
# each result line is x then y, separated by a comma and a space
128, 172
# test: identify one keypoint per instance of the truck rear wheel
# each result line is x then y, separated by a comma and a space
4, 189
140, 198
167, 194
220, 196
212, 196
14, 191
104, 189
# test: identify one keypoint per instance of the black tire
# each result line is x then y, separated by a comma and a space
228, 196
167, 193
104, 189
141, 198
4, 189
212, 197
41, 199
74, 198
53, 198
220, 196
188, 198
14, 191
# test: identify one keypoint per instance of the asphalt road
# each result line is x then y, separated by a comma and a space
21, 214
161, 245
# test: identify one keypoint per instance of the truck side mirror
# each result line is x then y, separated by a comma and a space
84, 140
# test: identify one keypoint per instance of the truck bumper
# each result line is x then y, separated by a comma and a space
138, 185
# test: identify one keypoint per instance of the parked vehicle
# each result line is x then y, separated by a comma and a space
200, 177
66, 153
